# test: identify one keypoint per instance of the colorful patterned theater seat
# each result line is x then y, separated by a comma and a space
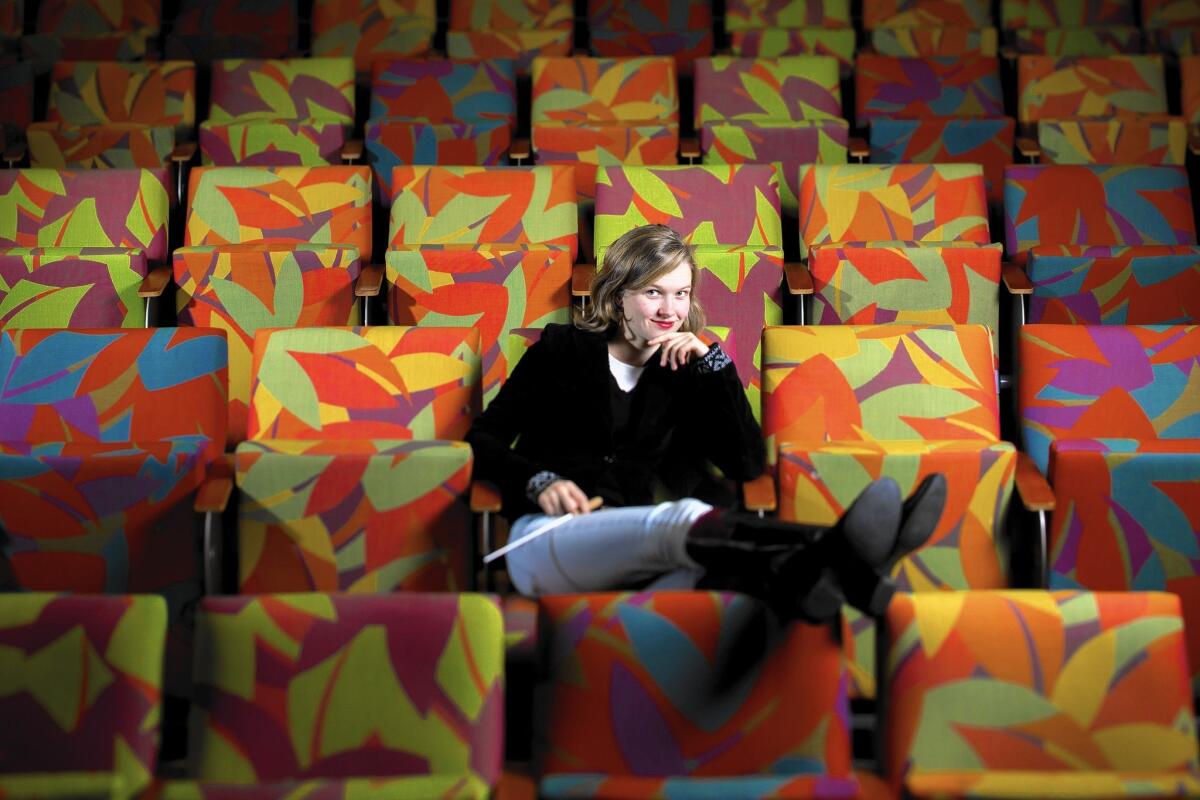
771, 28
689, 694
1110, 110
270, 247
1038, 694
82, 681
927, 203
517, 30
1071, 27
844, 404
1111, 415
208, 30
75, 246
1189, 77
315, 695
930, 28
594, 112
484, 247
731, 217
783, 111
936, 111
1142, 285
679, 28
1172, 26
352, 478
93, 30
439, 112
1097, 206
111, 114
104, 437
370, 30
292, 112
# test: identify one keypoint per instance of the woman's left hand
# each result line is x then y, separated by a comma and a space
678, 348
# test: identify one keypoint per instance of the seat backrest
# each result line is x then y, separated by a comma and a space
282, 89
906, 88
387, 382
104, 92
767, 90
83, 674
745, 15
206, 30
441, 92
99, 385
85, 18
280, 205
897, 202
735, 205
926, 13
506, 15
1052, 87
84, 208
1037, 682
1096, 205
434, 206
368, 30
688, 684
1065, 13
883, 382
375, 686
679, 28
623, 91
1133, 382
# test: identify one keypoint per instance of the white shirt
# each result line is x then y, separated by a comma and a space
626, 374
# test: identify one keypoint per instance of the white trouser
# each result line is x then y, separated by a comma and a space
609, 549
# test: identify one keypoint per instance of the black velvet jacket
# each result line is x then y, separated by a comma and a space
556, 406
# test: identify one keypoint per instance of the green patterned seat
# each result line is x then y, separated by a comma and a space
80, 691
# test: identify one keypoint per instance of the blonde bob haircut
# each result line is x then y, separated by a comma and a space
634, 261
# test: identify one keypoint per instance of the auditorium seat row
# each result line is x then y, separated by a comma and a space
594, 112
642, 695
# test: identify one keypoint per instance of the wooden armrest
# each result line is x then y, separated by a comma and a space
1009, 53
759, 494
1015, 279
370, 280
183, 152
1032, 487
1194, 142
214, 493
155, 282
689, 147
581, 279
519, 149
485, 497
799, 279
14, 154
352, 150
1028, 147
858, 147
515, 786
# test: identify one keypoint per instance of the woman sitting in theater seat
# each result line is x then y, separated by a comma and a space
629, 405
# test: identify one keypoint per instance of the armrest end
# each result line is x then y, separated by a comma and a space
352, 150
581, 279
799, 279
858, 148
155, 282
689, 147
1029, 148
519, 149
1015, 279
759, 494
1032, 487
183, 152
485, 497
370, 281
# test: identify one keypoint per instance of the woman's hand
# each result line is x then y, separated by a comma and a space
678, 348
563, 497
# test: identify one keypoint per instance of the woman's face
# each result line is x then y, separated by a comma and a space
661, 307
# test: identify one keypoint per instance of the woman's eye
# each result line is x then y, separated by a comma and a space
652, 292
